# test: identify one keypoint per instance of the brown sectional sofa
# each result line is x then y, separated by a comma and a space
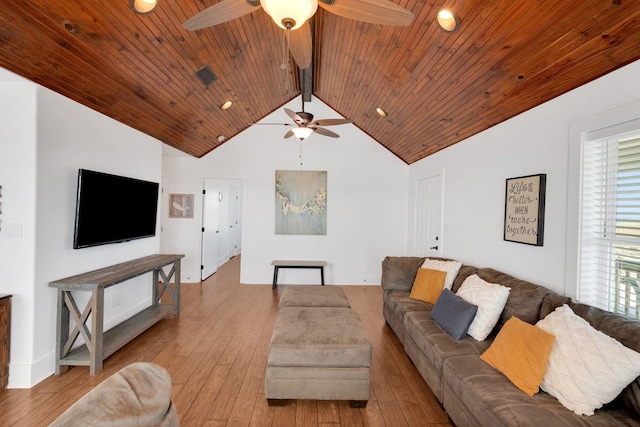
472, 392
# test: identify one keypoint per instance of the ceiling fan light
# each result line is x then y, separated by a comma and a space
143, 7
448, 21
302, 132
290, 13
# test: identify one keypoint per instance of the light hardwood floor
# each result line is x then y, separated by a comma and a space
216, 353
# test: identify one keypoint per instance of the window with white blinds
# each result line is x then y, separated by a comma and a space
610, 222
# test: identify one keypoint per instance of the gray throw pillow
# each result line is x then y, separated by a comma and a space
453, 314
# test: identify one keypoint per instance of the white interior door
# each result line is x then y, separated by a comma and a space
428, 240
209, 259
224, 229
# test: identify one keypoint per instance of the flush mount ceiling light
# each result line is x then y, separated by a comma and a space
448, 21
302, 132
290, 14
226, 105
381, 112
143, 7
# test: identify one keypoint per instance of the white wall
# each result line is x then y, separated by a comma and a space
17, 206
367, 208
536, 141
60, 137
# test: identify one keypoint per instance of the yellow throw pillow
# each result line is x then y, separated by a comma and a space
428, 285
520, 352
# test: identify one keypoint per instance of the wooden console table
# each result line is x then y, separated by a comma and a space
278, 264
99, 344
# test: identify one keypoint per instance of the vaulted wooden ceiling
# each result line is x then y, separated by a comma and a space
438, 88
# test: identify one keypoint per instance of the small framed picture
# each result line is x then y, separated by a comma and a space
180, 205
524, 209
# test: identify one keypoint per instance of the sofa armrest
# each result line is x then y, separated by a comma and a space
139, 394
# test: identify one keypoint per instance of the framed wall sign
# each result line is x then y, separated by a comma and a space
180, 205
524, 209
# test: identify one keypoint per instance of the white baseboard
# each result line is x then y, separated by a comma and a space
25, 375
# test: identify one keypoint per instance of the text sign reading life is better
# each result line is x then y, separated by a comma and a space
524, 209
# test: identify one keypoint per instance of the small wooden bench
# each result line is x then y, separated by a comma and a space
278, 264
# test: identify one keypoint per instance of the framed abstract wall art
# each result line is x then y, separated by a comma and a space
301, 202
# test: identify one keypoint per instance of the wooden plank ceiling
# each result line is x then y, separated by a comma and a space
438, 88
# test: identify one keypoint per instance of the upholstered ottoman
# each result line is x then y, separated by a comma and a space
313, 296
318, 353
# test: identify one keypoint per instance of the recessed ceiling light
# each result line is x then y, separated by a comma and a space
381, 112
226, 105
143, 7
221, 138
448, 21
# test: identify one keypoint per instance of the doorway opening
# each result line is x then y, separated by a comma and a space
221, 223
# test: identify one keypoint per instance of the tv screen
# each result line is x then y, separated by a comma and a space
112, 209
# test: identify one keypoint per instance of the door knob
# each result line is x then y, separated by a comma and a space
434, 247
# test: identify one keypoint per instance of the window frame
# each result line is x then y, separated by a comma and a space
609, 255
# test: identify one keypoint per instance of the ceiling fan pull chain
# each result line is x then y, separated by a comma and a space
300, 152
285, 61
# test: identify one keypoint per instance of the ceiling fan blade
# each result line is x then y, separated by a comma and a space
289, 134
273, 124
373, 11
219, 13
296, 118
331, 122
301, 45
326, 132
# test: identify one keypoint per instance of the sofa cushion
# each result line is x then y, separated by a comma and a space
464, 272
473, 388
520, 352
435, 343
450, 267
587, 368
400, 304
453, 314
490, 299
428, 285
551, 301
622, 329
525, 298
398, 273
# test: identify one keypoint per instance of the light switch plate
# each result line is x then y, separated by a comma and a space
10, 229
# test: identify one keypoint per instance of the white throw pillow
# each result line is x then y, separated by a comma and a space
451, 267
490, 299
586, 368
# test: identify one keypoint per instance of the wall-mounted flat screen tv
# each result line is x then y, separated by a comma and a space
113, 209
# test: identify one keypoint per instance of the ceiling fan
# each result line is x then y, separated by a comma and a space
305, 125
293, 15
